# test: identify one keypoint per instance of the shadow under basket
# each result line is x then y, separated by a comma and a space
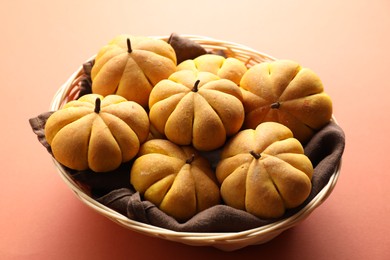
226, 241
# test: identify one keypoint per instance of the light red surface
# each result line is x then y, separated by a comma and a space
345, 42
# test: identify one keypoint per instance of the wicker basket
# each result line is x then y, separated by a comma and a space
224, 241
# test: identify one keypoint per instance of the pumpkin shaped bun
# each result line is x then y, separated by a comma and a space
175, 178
197, 108
130, 66
97, 132
264, 171
225, 68
282, 91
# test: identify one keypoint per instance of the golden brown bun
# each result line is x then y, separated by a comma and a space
264, 171
176, 179
225, 68
132, 75
282, 91
81, 138
203, 118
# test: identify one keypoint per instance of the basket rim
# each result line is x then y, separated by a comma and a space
195, 238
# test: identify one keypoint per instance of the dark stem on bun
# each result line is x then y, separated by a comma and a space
255, 155
275, 105
191, 159
129, 50
195, 88
97, 105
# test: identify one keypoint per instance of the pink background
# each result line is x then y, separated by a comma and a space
346, 42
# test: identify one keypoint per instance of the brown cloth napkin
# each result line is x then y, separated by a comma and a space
113, 189
185, 48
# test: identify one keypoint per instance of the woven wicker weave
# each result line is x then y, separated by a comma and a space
223, 241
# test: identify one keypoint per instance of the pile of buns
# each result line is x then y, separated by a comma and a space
199, 130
